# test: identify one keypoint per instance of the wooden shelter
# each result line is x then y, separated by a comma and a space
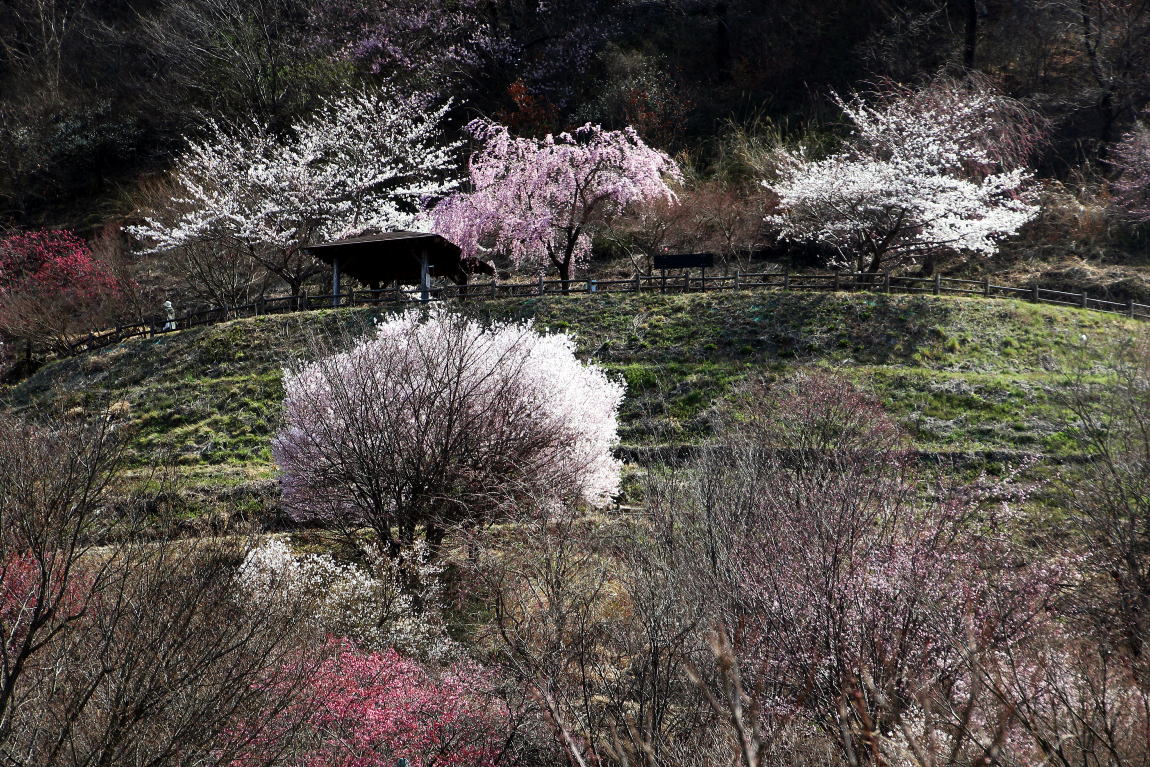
408, 258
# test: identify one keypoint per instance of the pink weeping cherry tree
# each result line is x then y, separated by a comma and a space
540, 201
438, 421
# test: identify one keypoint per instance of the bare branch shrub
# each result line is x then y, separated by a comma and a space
131, 653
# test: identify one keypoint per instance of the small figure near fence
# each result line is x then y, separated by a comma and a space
169, 317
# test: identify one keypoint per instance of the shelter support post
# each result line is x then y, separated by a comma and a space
424, 279
335, 287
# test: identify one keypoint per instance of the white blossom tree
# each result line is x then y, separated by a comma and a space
926, 172
362, 161
438, 422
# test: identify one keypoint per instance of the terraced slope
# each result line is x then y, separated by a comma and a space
971, 379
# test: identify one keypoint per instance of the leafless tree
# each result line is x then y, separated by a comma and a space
118, 651
37, 35
1110, 497
237, 57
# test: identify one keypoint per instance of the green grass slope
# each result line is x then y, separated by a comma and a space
967, 377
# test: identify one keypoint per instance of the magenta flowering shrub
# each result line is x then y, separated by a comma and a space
377, 707
438, 420
51, 286
539, 201
369, 709
51, 263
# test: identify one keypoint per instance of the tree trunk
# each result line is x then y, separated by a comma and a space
970, 43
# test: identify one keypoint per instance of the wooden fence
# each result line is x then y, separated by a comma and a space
657, 283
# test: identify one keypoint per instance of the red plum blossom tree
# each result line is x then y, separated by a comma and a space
926, 172
364, 160
50, 286
370, 709
539, 201
439, 421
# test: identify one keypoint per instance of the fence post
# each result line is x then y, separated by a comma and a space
1130, 306
541, 283
838, 283
986, 286
1084, 299
494, 282
738, 279
937, 283
886, 282
786, 280
1034, 295
636, 283
663, 287
589, 288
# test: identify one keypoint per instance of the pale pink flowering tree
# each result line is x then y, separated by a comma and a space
363, 160
539, 201
434, 43
1132, 159
440, 421
835, 573
926, 172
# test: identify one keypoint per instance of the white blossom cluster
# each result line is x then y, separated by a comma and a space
916, 179
373, 610
369, 160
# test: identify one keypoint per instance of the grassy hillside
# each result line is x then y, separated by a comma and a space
971, 379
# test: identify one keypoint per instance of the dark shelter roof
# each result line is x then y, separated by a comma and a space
389, 257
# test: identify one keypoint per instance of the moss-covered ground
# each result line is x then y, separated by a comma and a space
971, 379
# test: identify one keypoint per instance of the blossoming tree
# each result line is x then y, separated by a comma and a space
439, 421
539, 201
926, 172
435, 43
51, 286
1132, 159
362, 161
366, 709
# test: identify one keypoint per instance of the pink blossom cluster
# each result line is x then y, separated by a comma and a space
52, 263
378, 707
32, 592
539, 201
369, 709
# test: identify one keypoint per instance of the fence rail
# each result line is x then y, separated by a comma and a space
643, 283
